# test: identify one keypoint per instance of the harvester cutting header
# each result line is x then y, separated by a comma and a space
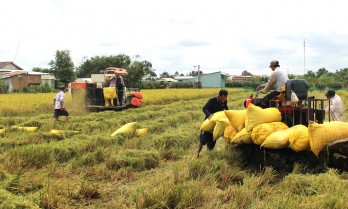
107, 91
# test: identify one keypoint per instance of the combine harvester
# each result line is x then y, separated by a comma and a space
99, 97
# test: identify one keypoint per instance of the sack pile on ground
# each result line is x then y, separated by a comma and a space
263, 127
131, 129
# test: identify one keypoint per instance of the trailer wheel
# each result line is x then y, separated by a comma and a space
287, 119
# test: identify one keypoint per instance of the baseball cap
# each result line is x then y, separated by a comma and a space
274, 63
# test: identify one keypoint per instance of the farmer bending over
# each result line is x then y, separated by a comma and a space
213, 105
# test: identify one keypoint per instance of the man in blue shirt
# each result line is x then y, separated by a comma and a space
213, 105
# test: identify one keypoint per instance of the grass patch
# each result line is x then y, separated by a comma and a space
138, 160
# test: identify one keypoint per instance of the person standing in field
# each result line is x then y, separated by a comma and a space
213, 105
276, 82
335, 106
119, 89
58, 104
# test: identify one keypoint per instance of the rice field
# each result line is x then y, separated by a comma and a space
87, 168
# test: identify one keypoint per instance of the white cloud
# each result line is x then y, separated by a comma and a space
231, 36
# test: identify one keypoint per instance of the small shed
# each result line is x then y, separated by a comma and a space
49, 79
186, 79
213, 80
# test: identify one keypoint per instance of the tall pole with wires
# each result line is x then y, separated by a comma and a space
304, 57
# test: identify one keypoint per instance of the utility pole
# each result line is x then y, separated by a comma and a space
17, 50
199, 74
304, 57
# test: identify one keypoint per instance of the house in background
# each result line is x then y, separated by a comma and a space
17, 79
213, 80
9, 66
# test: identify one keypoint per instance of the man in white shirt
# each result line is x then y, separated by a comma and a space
276, 82
58, 104
335, 108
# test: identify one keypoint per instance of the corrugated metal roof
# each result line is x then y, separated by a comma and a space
184, 77
4, 64
167, 80
11, 74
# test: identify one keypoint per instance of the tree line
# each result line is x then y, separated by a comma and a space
63, 68
65, 71
319, 79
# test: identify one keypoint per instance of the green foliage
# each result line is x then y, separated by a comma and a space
322, 71
136, 71
150, 85
179, 85
166, 75
63, 66
95, 64
38, 89
3, 87
246, 73
43, 70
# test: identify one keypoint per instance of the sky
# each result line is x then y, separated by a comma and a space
176, 35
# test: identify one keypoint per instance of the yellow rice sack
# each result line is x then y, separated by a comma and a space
2, 131
56, 132
220, 127
229, 133
141, 132
109, 92
209, 124
322, 134
127, 129
299, 138
62, 133
242, 137
28, 129
277, 140
256, 115
262, 131
237, 118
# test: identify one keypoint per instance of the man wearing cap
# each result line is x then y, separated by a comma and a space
276, 82
335, 107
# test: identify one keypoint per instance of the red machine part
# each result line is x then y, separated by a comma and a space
135, 102
76, 85
138, 95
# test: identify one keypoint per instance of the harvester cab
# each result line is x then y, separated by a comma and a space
101, 93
